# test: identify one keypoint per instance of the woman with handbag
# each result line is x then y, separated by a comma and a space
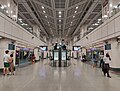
11, 64
106, 65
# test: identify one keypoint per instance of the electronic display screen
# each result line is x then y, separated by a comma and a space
11, 46
43, 48
76, 48
108, 47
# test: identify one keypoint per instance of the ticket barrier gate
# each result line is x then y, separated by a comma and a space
60, 59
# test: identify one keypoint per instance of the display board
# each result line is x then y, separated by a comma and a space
64, 55
56, 56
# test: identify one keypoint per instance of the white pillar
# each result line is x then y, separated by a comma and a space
3, 47
114, 53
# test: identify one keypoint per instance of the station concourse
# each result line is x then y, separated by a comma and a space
59, 45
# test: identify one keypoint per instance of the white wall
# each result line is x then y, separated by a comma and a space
109, 31
10, 29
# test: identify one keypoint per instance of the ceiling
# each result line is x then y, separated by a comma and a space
59, 18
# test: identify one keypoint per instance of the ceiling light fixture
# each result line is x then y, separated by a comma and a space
14, 15
105, 16
46, 16
60, 12
44, 12
59, 16
90, 28
73, 16
42, 7
59, 20
8, 5
77, 7
6, 11
75, 11
96, 24
20, 19
2, 7
0, 37
99, 19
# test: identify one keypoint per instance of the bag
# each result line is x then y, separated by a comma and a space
13, 69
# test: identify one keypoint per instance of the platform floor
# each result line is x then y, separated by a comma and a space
41, 77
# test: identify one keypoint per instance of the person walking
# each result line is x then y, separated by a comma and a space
106, 65
101, 59
11, 64
33, 58
6, 59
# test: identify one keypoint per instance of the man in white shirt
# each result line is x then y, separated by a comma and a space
6, 62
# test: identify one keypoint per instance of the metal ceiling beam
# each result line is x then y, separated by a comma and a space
32, 14
71, 32
98, 15
54, 14
38, 22
21, 15
65, 17
37, 2
80, 3
87, 15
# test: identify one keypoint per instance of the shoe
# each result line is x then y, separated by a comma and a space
109, 76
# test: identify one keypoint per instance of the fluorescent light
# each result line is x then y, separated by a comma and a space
77, 7
26, 24
60, 16
105, 16
46, 16
44, 12
20, 19
115, 6
110, 5
96, 24
0, 37
22, 24
75, 11
8, 5
14, 15
59, 20
73, 16
90, 28
2, 7
6, 11
42, 7
99, 19
60, 12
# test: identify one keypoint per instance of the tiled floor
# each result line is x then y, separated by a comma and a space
42, 77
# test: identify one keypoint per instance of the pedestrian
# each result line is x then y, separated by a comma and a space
106, 65
11, 64
101, 59
6, 59
94, 60
33, 58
